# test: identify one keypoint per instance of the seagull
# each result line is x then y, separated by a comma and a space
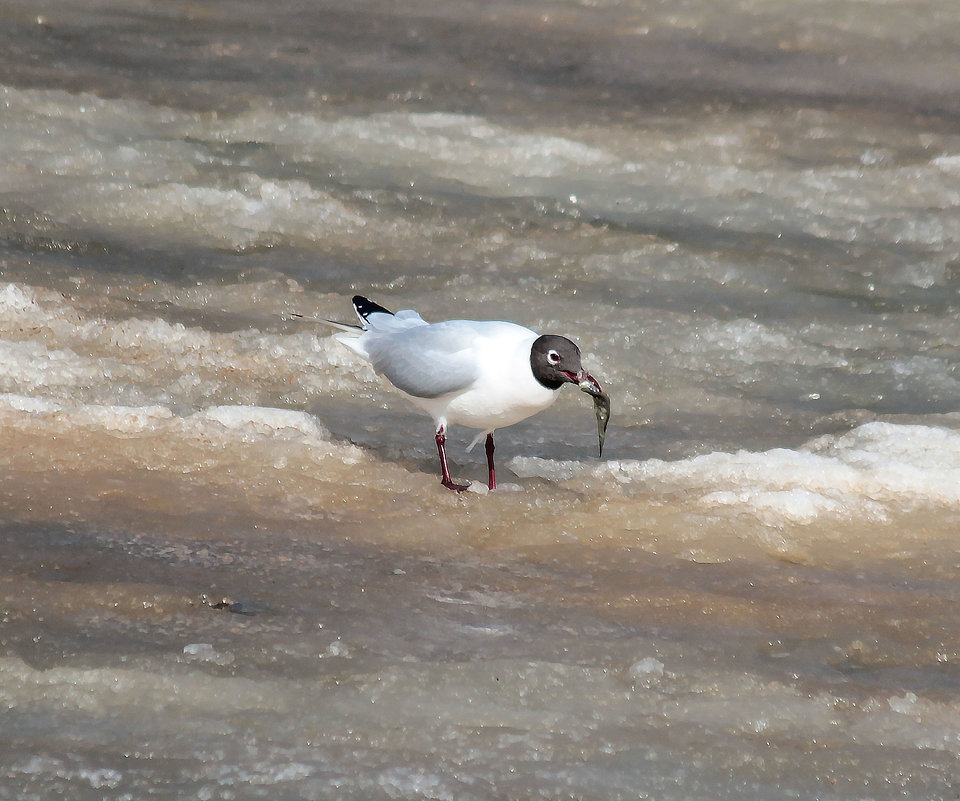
480, 374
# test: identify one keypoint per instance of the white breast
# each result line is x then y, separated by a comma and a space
505, 391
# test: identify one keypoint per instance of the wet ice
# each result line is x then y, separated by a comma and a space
228, 570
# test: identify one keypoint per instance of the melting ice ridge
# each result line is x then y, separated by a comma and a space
867, 473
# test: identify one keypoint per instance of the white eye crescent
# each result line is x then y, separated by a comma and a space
553, 357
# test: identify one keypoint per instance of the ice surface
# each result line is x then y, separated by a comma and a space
266, 420
865, 474
647, 671
228, 568
452, 146
749, 342
150, 360
205, 652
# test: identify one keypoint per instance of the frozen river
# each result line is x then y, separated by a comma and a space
227, 567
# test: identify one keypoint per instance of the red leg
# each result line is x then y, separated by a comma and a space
445, 472
492, 481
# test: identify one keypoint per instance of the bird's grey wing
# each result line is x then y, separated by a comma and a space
427, 361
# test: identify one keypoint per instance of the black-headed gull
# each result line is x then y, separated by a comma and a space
481, 374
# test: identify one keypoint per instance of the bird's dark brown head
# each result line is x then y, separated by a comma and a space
555, 361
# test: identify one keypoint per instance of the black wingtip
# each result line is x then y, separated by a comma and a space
366, 307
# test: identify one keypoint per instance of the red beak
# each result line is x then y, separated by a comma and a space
585, 381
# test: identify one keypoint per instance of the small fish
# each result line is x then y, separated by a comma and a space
601, 405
